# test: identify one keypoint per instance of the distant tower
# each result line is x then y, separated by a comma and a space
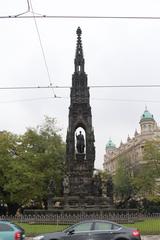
110, 146
80, 150
147, 122
110, 150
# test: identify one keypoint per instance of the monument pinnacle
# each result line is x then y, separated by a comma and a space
79, 31
79, 60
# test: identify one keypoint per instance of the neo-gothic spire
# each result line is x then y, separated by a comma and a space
79, 60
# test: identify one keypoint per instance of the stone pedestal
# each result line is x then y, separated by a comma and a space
81, 202
80, 157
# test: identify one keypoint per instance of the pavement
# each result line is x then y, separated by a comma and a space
151, 237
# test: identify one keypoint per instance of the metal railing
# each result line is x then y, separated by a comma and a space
67, 219
148, 224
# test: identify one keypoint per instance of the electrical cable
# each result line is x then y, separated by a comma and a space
81, 17
30, 10
43, 53
26, 100
92, 86
92, 98
27, 11
127, 86
125, 100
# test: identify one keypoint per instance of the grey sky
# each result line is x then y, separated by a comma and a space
117, 52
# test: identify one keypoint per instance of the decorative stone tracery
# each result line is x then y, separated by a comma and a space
80, 150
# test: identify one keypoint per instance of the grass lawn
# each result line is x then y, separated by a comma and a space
34, 229
147, 227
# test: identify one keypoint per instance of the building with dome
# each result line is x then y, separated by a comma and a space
133, 148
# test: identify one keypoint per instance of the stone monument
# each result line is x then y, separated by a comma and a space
82, 188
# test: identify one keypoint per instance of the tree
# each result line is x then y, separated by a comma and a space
152, 156
8, 144
28, 163
139, 181
149, 170
123, 189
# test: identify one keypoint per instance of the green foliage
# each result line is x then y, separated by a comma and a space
8, 144
122, 181
151, 204
152, 157
27, 163
140, 181
145, 181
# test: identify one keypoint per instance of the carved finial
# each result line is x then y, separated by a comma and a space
121, 143
128, 138
79, 60
79, 31
136, 133
145, 107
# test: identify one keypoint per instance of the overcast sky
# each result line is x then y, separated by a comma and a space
116, 52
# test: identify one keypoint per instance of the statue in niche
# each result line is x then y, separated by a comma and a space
80, 142
65, 185
51, 190
51, 186
97, 186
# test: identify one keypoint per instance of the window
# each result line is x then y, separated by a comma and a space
5, 227
82, 227
115, 227
103, 226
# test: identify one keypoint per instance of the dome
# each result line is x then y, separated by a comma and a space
110, 144
147, 116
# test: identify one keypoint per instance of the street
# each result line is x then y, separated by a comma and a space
156, 237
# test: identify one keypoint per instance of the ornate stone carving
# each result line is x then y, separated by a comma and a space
80, 150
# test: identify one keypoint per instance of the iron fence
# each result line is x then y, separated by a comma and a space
148, 224
68, 219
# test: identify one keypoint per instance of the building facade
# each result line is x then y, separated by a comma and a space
133, 148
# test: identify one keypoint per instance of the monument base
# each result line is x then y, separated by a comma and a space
80, 202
